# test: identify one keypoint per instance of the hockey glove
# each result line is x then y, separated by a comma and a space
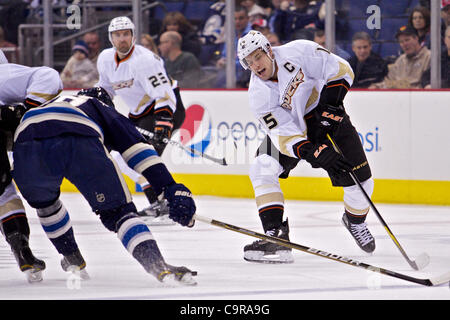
162, 130
324, 156
10, 115
329, 118
181, 204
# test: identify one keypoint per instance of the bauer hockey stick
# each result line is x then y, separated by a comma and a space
435, 281
148, 135
423, 259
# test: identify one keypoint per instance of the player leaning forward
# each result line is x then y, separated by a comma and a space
138, 76
296, 91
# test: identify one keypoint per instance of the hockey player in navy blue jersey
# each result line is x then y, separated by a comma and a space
71, 137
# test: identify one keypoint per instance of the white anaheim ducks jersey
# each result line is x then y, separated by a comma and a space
3, 58
139, 79
18, 83
304, 67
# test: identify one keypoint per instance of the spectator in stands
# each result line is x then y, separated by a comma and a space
304, 14
368, 66
148, 42
445, 12
255, 12
319, 37
273, 38
79, 71
214, 27
180, 65
176, 21
93, 41
252, 8
10, 49
261, 26
242, 27
407, 70
445, 65
419, 19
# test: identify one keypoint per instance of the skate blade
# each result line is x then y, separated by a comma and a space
33, 275
158, 221
281, 256
172, 280
82, 274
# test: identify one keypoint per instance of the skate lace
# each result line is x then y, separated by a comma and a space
361, 233
270, 233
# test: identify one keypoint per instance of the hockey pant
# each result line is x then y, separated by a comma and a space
41, 165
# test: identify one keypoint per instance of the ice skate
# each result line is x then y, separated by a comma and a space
75, 263
28, 263
157, 214
264, 251
360, 233
171, 275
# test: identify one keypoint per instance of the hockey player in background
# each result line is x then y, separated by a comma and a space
21, 88
71, 137
138, 76
296, 91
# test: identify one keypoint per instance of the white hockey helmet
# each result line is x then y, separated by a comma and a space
250, 42
121, 23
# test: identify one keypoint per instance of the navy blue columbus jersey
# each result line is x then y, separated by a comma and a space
86, 116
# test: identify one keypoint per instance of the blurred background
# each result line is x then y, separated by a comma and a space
368, 33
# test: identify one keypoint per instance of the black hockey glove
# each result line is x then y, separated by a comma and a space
181, 204
324, 156
162, 130
329, 118
10, 115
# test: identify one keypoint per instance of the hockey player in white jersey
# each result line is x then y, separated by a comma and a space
21, 88
138, 76
296, 91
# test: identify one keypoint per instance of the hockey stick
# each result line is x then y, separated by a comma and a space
423, 259
148, 135
436, 281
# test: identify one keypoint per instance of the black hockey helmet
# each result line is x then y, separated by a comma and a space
98, 93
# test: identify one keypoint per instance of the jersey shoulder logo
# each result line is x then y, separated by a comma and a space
123, 84
291, 88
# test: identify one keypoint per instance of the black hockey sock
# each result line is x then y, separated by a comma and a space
271, 216
150, 194
355, 219
14, 225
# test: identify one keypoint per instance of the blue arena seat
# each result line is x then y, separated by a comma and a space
393, 8
197, 10
389, 49
159, 11
389, 27
357, 8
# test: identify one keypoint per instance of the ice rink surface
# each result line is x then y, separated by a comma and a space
217, 255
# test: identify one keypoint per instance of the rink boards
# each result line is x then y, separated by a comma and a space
404, 134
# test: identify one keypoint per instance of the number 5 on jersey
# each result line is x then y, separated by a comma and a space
270, 121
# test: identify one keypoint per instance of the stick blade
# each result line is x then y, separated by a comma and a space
445, 278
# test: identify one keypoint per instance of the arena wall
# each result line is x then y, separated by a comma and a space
403, 133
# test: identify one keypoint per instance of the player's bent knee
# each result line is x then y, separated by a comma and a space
354, 198
112, 218
265, 168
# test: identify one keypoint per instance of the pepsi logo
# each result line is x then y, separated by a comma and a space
195, 133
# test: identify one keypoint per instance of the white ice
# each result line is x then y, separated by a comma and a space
217, 253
